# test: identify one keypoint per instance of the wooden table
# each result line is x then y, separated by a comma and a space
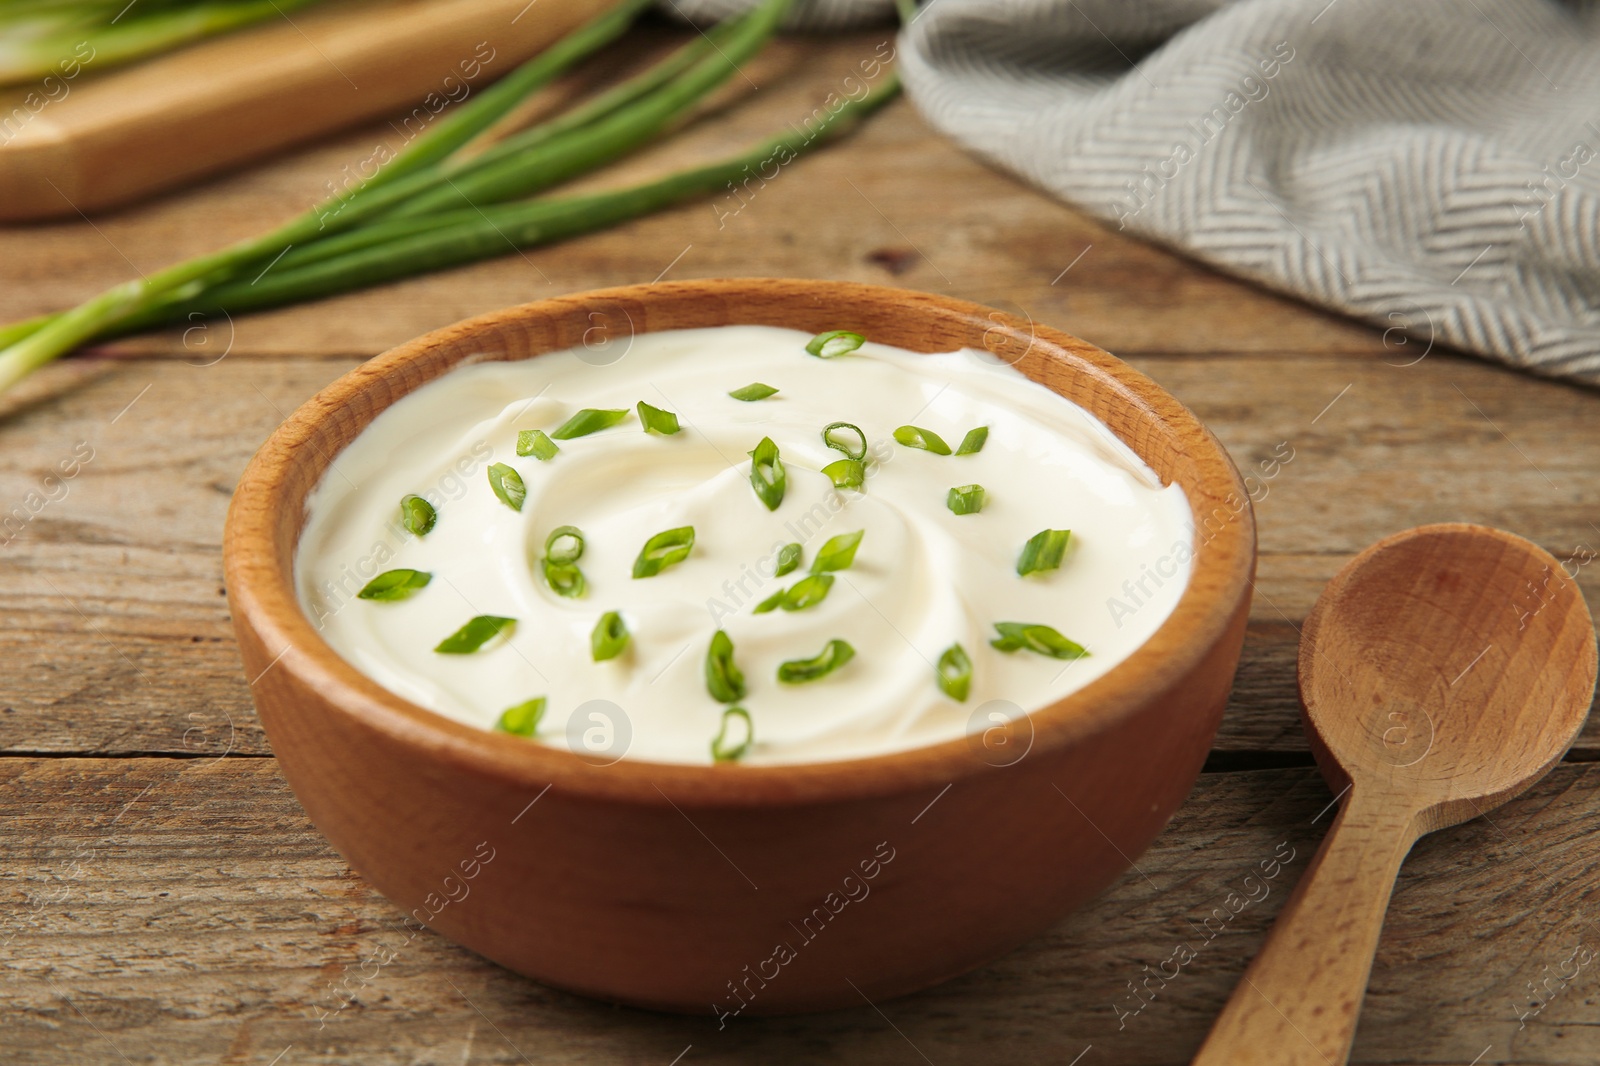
165, 899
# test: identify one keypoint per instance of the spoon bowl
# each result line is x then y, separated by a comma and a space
1443, 671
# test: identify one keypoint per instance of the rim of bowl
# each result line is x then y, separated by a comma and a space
259, 549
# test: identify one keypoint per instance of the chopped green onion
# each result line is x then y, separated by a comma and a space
965, 499
1038, 638
767, 475
858, 453
417, 514
835, 342
926, 439
564, 545
395, 584
523, 719
564, 579
590, 420
973, 442
728, 749
507, 485
771, 603
833, 655
753, 391
537, 443
807, 592
1043, 551
475, 634
788, 559
838, 553
846, 473
954, 672
724, 680
656, 420
610, 636
663, 550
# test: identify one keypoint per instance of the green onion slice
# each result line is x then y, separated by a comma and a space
954, 672
858, 453
724, 680
537, 443
590, 420
973, 442
1043, 550
507, 485
663, 550
735, 736
846, 473
807, 592
838, 553
610, 636
965, 499
788, 559
926, 439
1015, 636
475, 634
417, 514
523, 719
753, 391
835, 342
656, 420
833, 655
564, 545
771, 603
395, 584
564, 579
767, 475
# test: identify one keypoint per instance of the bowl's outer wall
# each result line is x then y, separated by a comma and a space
641, 883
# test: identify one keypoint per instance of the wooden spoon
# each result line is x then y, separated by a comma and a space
1443, 671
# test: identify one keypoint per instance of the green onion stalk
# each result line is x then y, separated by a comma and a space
431, 208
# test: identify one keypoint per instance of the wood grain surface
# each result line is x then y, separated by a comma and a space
206, 921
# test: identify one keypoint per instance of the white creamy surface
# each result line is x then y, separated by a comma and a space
923, 578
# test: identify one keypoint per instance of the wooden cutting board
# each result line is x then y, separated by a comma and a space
83, 140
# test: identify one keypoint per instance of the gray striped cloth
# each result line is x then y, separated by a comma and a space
1429, 166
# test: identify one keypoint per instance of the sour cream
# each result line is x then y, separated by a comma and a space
923, 577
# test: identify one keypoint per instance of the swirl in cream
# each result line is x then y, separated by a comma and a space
923, 577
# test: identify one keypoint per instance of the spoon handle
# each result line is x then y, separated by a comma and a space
1298, 1002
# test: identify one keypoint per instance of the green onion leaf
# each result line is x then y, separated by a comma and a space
417, 514
656, 420
610, 636
973, 442
838, 553
771, 603
590, 420
858, 453
965, 499
507, 485
833, 655
753, 391
564, 545
724, 680
523, 719
1015, 636
788, 559
663, 550
926, 439
846, 473
564, 579
835, 342
767, 475
735, 736
1043, 551
807, 592
475, 634
954, 672
536, 442
395, 584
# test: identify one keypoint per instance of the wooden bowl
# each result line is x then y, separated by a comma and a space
762, 889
